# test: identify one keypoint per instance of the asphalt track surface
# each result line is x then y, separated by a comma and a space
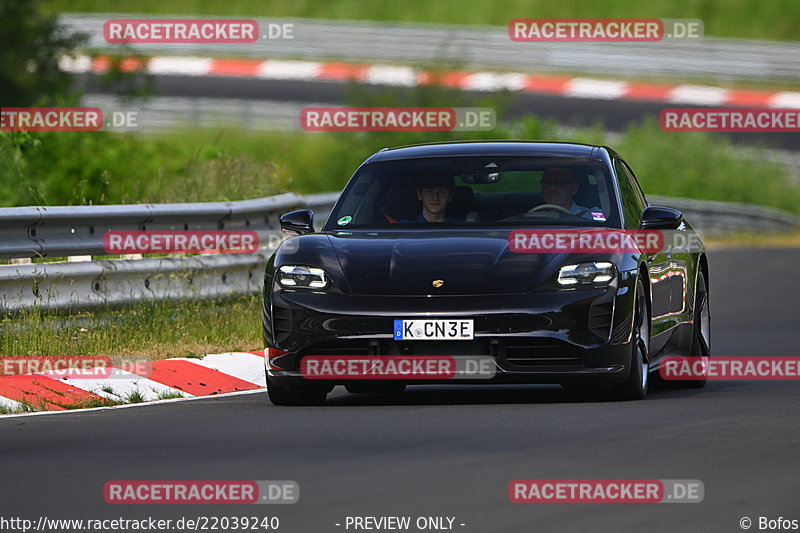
615, 115
447, 451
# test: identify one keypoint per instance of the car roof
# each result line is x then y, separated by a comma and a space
490, 148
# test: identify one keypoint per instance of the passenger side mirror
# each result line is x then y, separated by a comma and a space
298, 222
656, 217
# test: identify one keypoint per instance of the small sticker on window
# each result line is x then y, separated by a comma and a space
598, 216
346, 220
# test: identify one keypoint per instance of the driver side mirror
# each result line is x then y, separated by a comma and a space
656, 217
298, 222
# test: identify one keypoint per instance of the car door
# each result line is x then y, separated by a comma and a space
677, 246
659, 264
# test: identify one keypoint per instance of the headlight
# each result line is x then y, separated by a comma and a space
594, 273
302, 277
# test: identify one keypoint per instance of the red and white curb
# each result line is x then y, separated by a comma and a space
406, 76
169, 378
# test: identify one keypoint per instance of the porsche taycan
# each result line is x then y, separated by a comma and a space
543, 259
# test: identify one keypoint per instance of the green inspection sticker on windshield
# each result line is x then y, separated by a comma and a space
344, 221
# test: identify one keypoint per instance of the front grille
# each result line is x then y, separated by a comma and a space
511, 353
341, 348
454, 348
538, 352
390, 347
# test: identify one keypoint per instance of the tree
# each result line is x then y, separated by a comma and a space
32, 44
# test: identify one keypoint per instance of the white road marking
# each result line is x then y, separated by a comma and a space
699, 94
492, 81
786, 99
289, 70
186, 66
391, 75
589, 88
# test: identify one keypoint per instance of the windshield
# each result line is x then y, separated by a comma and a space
477, 190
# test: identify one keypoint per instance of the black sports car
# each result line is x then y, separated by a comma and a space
477, 249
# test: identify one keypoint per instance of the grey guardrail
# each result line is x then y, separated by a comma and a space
486, 46
62, 286
63, 231
114, 283
78, 230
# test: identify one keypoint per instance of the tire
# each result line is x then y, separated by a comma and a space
296, 395
701, 332
388, 388
636, 385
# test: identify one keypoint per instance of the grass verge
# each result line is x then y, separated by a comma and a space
155, 330
746, 239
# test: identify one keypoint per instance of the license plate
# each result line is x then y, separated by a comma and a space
433, 330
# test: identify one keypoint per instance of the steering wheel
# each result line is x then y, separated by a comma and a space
554, 207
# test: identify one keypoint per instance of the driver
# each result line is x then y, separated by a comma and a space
559, 186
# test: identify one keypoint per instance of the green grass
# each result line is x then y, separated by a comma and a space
24, 407
156, 331
754, 19
751, 239
73, 168
696, 165
91, 403
135, 397
216, 165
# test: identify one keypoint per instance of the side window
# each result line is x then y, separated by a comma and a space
636, 186
633, 202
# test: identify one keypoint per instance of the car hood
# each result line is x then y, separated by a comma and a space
467, 262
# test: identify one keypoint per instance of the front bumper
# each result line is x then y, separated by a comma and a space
548, 337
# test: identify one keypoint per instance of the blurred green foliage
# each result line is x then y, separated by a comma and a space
32, 44
210, 165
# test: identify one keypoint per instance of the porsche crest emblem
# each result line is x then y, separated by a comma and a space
438, 283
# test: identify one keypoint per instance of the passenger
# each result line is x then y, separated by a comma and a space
436, 195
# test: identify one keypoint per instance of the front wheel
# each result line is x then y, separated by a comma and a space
635, 387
